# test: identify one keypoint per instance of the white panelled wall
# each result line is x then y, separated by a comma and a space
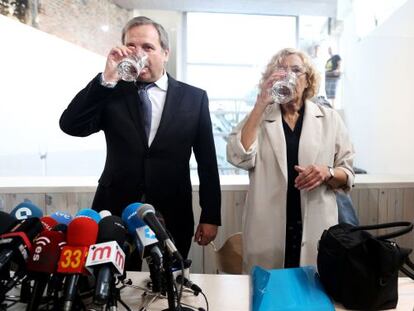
376, 198
378, 84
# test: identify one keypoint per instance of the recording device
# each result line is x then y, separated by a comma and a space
81, 233
107, 258
146, 212
26, 210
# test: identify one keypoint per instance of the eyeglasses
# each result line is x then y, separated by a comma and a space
297, 70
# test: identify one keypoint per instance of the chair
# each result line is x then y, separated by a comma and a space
229, 258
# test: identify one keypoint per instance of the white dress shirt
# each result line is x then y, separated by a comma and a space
157, 95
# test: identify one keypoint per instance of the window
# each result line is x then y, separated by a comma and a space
226, 54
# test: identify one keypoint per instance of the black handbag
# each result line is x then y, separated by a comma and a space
360, 270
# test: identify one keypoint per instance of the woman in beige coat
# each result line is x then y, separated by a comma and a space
296, 153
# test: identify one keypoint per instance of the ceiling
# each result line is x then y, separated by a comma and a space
266, 7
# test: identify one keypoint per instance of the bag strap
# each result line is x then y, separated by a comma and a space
405, 270
408, 226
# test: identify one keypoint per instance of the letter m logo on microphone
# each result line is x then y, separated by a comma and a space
103, 253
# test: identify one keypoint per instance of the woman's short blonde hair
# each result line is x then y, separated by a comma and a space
312, 74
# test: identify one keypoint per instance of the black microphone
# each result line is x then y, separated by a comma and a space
7, 222
187, 283
146, 212
16, 244
106, 257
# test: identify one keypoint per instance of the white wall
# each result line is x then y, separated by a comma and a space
39, 75
378, 85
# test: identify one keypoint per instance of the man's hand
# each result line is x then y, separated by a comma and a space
116, 54
205, 234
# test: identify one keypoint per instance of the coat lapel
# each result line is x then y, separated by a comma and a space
133, 102
311, 136
172, 103
274, 129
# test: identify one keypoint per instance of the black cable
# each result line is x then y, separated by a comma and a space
205, 298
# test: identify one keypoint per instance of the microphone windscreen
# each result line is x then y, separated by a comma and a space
26, 210
48, 222
111, 228
129, 216
62, 217
7, 222
104, 213
82, 231
45, 253
145, 209
87, 212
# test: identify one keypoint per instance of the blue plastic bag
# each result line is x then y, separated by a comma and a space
295, 289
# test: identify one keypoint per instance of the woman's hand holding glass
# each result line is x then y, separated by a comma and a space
265, 96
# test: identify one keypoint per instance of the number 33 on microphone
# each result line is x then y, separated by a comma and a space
72, 259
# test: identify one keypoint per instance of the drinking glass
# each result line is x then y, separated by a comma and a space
131, 66
283, 90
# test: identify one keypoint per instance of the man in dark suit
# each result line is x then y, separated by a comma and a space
151, 167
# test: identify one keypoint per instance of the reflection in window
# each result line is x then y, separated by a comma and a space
226, 54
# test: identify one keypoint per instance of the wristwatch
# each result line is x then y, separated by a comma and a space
331, 172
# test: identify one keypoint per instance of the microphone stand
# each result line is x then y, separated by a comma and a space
114, 296
169, 281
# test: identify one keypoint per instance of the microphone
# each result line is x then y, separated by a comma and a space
62, 217
88, 212
146, 212
147, 244
43, 262
48, 222
187, 283
16, 244
15, 247
107, 257
104, 213
7, 222
81, 233
60, 227
145, 237
26, 210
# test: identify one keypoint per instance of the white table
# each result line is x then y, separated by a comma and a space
232, 293
224, 293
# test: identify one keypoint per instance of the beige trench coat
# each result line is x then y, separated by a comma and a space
324, 141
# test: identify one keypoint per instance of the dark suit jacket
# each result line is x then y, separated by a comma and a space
160, 171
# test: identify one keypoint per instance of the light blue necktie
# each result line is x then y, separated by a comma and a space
146, 106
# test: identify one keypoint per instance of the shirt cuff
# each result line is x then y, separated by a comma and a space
107, 84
